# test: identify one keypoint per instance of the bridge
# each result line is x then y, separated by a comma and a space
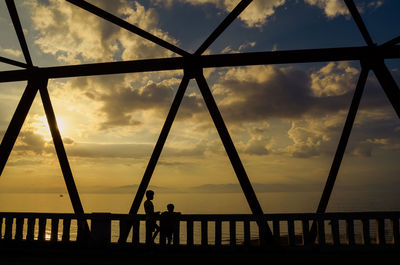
346, 229
370, 232
365, 237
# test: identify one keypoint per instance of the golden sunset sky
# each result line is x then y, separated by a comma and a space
285, 120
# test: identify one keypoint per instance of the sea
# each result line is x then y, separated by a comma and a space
199, 203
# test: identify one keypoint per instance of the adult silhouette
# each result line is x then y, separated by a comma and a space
151, 218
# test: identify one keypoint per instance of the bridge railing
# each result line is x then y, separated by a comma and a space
333, 229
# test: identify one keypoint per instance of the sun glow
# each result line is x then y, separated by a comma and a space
41, 126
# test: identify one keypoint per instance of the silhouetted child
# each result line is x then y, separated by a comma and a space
151, 217
168, 224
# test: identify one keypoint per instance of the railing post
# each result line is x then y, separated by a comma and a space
218, 232
335, 231
365, 228
19, 228
277, 232
204, 233
380, 223
1, 226
189, 231
395, 228
232, 233
124, 227
30, 234
66, 230
136, 232
54, 229
42, 229
177, 233
350, 231
8, 229
246, 230
321, 231
291, 234
101, 228
306, 232
83, 229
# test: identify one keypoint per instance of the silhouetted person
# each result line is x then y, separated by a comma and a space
168, 224
151, 217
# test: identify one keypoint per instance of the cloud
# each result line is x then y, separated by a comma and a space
74, 36
29, 141
130, 150
255, 15
335, 8
120, 104
315, 103
334, 79
12, 52
241, 48
262, 92
332, 8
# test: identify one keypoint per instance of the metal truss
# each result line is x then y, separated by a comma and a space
371, 58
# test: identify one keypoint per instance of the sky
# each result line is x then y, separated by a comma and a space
285, 120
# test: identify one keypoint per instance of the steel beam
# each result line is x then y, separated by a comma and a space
231, 152
59, 146
206, 61
16, 122
18, 29
224, 24
12, 62
388, 84
341, 148
159, 146
360, 23
156, 153
392, 42
123, 24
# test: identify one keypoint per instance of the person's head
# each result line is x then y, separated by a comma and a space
149, 194
170, 207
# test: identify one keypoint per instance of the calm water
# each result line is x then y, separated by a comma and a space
193, 203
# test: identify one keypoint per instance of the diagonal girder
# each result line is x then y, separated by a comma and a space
224, 24
60, 150
393, 41
360, 23
123, 24
18, 29
156, 152
341, 148
233, 155
159, 145
388, 84
16, 122
13, 62
374, 61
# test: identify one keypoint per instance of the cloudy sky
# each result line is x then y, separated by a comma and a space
285, 120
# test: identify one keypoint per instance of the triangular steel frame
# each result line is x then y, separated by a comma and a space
371, 57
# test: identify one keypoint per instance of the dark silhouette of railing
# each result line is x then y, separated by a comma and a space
356, 229
371, 58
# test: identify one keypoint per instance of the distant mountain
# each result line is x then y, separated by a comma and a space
258, 187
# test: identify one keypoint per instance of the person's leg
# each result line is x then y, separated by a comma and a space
157, 230
149, 232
